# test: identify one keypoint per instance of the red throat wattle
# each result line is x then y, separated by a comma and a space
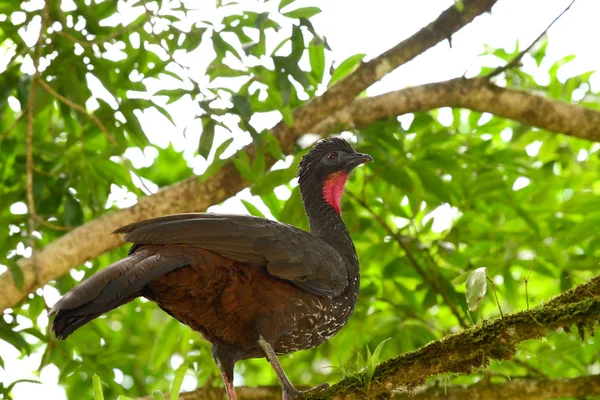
333, 188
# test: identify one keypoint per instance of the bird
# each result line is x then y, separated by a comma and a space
251, 286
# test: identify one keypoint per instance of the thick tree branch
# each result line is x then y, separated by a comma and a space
475, 94
92, 239
516, 389
474, 347
338, 96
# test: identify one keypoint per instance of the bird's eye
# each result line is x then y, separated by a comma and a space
332, 155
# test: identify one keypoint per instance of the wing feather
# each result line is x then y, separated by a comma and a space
281, 250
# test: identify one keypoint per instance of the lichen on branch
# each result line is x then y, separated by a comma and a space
475, 347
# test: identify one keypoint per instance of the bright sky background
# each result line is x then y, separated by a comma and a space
371, 27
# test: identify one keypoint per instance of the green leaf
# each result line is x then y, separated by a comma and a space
284, 85
273, 179
583, 230
316, 54
224, 71
259, 164
73, 211
273, 146
98, 394
288, 116
207, 137
177, 381
430, 299
17, 274
14, 338
284, 3
35, 333
242, 164
193, 39
158, 395
374, 359
242, 105
217, 161
252, 209
10, 387
539, 54
346, 67
476, 288
221, 47
305, 12
173, 94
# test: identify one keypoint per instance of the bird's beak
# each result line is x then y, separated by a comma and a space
357, 159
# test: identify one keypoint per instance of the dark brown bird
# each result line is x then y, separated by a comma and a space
252, 287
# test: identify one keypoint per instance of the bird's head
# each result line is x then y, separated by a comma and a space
328, 164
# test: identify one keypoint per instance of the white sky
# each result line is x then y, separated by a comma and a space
371, 27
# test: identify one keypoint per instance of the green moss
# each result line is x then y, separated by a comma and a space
472, 348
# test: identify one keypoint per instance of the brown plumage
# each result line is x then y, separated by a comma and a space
252, 287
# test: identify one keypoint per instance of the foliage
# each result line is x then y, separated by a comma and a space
461, 190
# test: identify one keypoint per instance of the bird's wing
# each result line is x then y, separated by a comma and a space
281, 250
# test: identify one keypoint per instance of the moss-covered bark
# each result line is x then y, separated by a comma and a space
473, 348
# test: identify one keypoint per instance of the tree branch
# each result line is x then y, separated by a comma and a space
517, 389
515, 61
471, 348
93, 238
476, 94
32, 217
343, 92
78, 108
12, 126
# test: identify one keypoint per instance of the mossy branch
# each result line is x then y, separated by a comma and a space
475, 347
540, 388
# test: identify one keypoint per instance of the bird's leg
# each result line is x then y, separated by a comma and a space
289, 391
225, 365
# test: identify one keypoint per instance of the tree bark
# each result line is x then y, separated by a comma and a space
515, 389
475, 347
477, 94
93, 238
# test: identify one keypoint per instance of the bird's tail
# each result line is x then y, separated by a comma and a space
110, 288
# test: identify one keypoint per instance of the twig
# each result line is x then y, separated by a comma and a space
527, 282
131, 170
496, 295
33, 216
412, 260
29, 139
536, 371
14, 124
79, 108
515, 61
527, 292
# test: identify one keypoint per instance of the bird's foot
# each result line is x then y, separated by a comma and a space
292, 393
